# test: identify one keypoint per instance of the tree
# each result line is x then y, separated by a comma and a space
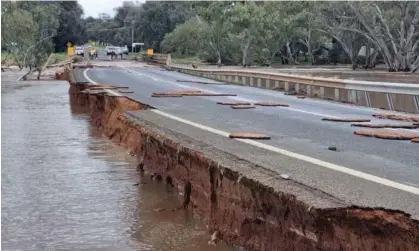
19, 32
70, 25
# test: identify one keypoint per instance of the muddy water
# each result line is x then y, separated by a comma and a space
66, 187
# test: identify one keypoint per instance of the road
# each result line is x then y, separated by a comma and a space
364, 171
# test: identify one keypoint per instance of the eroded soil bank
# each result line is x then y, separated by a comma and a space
243, 203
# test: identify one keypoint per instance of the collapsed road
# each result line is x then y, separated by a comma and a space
260, 202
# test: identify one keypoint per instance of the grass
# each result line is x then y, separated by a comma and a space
58, 57
7, 59
186, 60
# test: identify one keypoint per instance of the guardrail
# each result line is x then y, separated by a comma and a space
159, 59
385, 95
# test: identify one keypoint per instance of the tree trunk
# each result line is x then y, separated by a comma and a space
218, 59
289, 54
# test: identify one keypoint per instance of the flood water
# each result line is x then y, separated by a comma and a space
66, 187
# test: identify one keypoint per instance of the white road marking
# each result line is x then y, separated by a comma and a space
342, 169
232, 97
95, 83
321, 163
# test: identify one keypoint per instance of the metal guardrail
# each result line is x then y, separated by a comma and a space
386, 95
370, 86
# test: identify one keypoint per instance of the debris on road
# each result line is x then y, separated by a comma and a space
160, 95
332, 148
125, 91
370, 125
301, 97
270, 104
247, 135
290, 93
346, 120
242, 106
191, 93
233, 103
410, 118
415, 140
382, 134
284, 176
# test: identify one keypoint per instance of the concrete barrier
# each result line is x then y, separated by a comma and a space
391, 96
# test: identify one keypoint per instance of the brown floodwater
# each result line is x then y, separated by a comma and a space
66, 187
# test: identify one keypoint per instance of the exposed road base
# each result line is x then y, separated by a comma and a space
369, 125
382, 134
346, 120
248, 135
233, 103
242, 106
270, 104
410, 118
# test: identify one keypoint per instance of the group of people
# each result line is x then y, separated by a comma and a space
92, 53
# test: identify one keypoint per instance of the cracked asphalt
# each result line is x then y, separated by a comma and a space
297, 128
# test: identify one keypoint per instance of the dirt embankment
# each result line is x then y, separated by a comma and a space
246, 204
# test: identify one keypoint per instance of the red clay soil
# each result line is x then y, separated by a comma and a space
233, 103
270, 104
346, 119
248, 205
248, 135
383, 134
410, 118
415, 140
242, 106
370, 125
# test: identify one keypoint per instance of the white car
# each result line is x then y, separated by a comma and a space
79, 51
125, 50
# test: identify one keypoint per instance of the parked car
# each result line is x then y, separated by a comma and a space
79, 51
125, 50
109, 50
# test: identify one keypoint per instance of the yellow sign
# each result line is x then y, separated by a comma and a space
70, 51
149, 51
69, 44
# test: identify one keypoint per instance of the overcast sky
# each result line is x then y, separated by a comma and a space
95, 7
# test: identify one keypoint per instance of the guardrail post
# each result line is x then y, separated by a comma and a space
243, 80
236, 79
390, 101
297, 88
276, 84
309, 90
259, 82
353, 96
251, 81
286, 87
337, 94
367, 99
416, 98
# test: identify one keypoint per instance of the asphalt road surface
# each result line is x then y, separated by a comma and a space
363, 171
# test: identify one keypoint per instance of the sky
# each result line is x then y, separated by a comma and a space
95, 7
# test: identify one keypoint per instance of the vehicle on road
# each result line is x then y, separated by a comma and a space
110, 50
125, 50
79, 51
